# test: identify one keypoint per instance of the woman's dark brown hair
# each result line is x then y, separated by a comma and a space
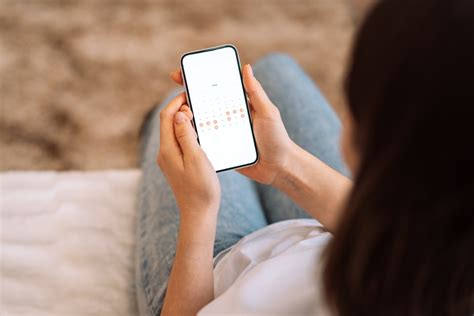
405, 245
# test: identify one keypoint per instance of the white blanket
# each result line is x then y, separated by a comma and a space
67, 243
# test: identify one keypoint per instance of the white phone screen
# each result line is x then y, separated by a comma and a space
218, 101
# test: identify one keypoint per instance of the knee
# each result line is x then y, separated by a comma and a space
276, 59
277, 68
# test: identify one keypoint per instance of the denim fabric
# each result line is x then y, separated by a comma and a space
245, 205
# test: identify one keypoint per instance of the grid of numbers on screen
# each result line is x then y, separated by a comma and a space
219, 112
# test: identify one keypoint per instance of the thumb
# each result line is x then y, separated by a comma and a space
185, 134
258, 98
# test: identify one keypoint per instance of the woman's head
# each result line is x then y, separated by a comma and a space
405, 244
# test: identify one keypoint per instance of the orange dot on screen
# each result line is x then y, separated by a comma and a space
241, 109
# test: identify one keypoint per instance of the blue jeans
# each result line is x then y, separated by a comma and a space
245, 205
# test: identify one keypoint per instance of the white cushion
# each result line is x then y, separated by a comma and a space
67, 243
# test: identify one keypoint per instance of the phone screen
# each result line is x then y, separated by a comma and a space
218, 101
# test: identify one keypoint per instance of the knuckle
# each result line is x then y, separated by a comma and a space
275, 111
184, 132
180, 135
162, 157
159, 160
164, 154
253, 93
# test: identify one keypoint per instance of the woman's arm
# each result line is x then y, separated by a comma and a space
314, 186
191, 283
197, 191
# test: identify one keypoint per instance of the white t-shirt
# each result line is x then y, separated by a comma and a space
272, 271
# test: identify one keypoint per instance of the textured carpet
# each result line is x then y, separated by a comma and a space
76, 78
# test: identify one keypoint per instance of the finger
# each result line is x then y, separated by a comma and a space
249, 172
252, 112
186, 110
258, 98
176, 77
167, 138
185, 134
245, 171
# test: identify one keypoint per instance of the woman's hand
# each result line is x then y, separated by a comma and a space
197, 192
187, 168
274, 144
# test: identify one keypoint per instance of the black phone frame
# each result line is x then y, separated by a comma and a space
243, 89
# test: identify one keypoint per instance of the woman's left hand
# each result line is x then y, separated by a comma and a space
187, 168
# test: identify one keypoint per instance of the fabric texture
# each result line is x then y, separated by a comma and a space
273, 271
245, 206
67, 243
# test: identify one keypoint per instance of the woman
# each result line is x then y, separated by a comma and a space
398, 240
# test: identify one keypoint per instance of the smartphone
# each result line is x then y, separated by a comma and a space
215, 90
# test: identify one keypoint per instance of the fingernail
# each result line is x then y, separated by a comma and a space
180, 118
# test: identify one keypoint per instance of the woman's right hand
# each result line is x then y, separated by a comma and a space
273, 143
